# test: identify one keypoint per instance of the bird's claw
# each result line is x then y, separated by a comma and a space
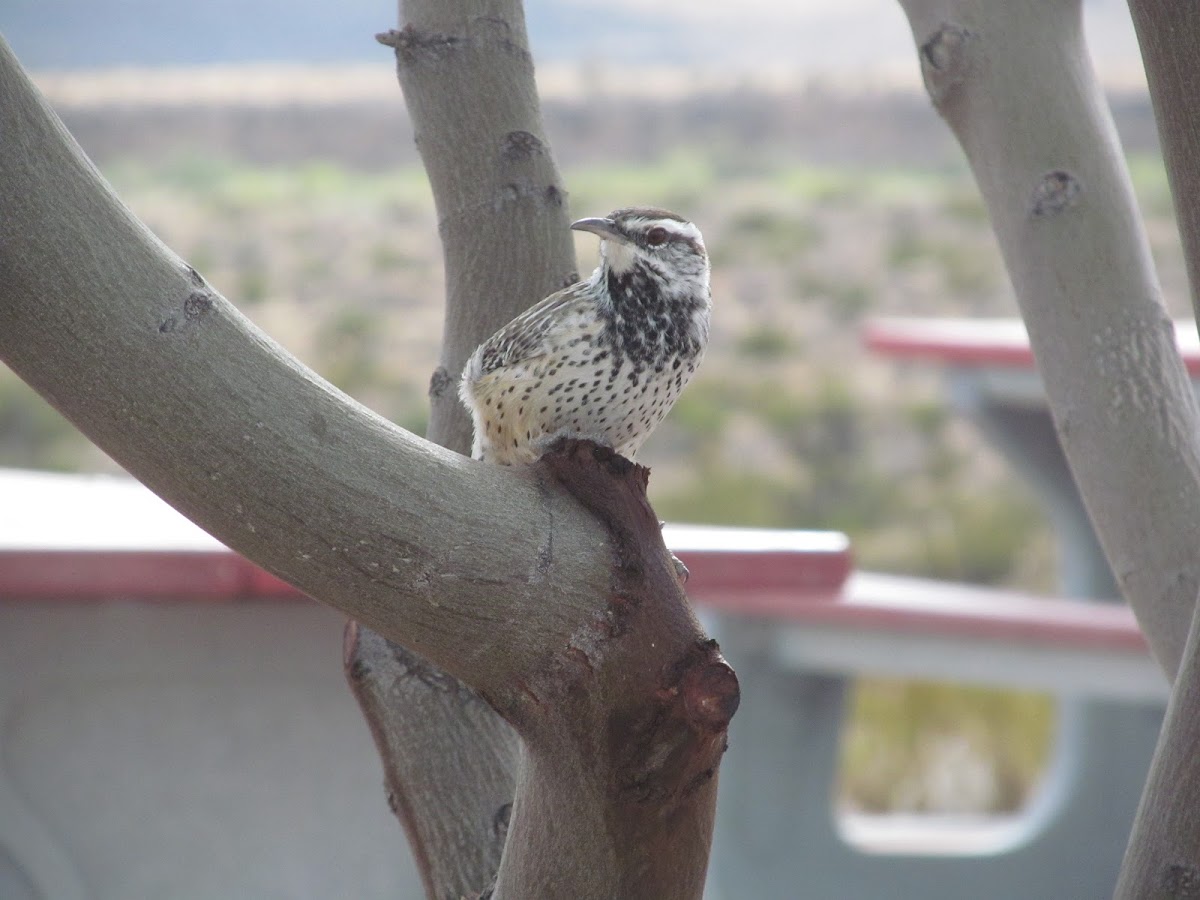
681, 571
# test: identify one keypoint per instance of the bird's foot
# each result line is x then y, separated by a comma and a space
681, 571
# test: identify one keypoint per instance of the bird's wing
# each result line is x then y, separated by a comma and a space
531, 334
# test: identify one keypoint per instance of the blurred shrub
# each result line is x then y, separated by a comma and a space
1150, 183
33, 435
345, 345
769, 234
765, 343
677, 182
922, 746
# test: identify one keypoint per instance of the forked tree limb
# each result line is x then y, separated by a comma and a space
455, 559
449, 760
497, 576
1014, 82
467, 77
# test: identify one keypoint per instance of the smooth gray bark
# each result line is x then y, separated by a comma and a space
1162, 861
1169, 34
454, 558
1015, 84
467, 77
1163, 856
545, 589
449, 760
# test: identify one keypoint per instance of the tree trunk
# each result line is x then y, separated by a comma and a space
1014, 83
1162, 861
1163, 857
1169, 35
449, 760
545, 589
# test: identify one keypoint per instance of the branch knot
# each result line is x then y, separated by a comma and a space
945, 60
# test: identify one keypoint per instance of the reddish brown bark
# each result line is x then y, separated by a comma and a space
624, 726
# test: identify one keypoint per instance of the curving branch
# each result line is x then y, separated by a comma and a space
449, 760
453, 558
1015, 84
545, 589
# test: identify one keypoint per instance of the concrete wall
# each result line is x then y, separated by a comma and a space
187, 750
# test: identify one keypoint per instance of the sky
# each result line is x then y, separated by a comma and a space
852, 38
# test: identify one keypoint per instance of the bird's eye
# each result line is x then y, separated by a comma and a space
656, 237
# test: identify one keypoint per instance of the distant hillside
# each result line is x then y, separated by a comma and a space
355, 117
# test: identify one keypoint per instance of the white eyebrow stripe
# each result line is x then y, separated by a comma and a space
685, 229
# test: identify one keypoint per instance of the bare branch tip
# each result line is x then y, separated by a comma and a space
707, 686
410, 42
390, 38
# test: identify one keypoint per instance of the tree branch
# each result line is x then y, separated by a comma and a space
457, 560
1015, 84
498, 576
616, 797
1169, 35
1163, 856
449, 761
467, 78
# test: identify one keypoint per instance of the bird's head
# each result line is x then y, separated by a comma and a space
652, 243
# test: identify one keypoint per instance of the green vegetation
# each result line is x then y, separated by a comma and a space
33, 435
841, 471
765, 342
929, 747
791, 424
1151, 187
676, 182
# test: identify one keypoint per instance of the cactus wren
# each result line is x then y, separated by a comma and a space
603, 359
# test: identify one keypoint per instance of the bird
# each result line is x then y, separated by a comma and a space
604, 359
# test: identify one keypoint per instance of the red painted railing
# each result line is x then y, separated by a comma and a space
976, 343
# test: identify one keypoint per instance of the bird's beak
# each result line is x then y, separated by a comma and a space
605, 228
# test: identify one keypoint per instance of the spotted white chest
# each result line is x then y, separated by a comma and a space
583, 386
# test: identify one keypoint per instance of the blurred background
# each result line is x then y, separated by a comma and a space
267, 144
